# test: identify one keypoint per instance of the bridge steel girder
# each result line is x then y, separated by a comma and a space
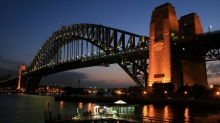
203, 47
129, 50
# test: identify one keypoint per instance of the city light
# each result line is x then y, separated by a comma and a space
165, 92
118, 92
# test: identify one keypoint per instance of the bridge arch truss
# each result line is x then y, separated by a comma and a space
84, 45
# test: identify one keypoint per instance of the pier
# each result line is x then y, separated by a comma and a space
105, 119
60, 118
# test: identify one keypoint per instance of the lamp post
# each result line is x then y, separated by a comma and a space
209, 27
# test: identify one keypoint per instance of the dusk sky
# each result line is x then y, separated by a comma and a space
26, 24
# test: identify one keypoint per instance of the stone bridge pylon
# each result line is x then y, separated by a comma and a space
165, 64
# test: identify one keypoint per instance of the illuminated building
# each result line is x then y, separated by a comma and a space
164, 63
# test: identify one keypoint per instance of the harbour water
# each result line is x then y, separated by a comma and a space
22, 108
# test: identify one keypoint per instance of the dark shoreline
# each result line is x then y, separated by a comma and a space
135, 100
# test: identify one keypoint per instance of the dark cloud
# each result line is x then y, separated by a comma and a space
8, 62
5, 71
106, 84
210, 76
63, 78
213, 70
74, 78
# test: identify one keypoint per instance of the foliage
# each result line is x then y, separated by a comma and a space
113, 93
195, 91
69, 91
160, 88
135, 90
100, 92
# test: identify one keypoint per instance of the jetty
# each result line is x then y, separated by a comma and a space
90, 119
119, 112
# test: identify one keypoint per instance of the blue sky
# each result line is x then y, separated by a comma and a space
26, 24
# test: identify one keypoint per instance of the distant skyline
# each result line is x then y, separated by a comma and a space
25, 25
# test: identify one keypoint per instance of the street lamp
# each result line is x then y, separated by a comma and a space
165, 92
144, 93
209, 27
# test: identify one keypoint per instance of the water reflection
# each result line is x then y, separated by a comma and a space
61, 105
90, 107
80, 106
29, 108
186, 114
166, 112
179, 113
145, 112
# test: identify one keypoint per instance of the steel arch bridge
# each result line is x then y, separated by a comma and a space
85, 45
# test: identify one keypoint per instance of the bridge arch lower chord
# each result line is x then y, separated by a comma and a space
73, 47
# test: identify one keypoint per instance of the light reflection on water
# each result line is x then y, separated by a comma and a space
166, 112
21, 108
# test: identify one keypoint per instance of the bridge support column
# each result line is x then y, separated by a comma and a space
22, 68
165, 61
163, 27
32, 83
193, 66
194, 72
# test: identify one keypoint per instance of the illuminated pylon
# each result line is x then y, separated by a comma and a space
22, 68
